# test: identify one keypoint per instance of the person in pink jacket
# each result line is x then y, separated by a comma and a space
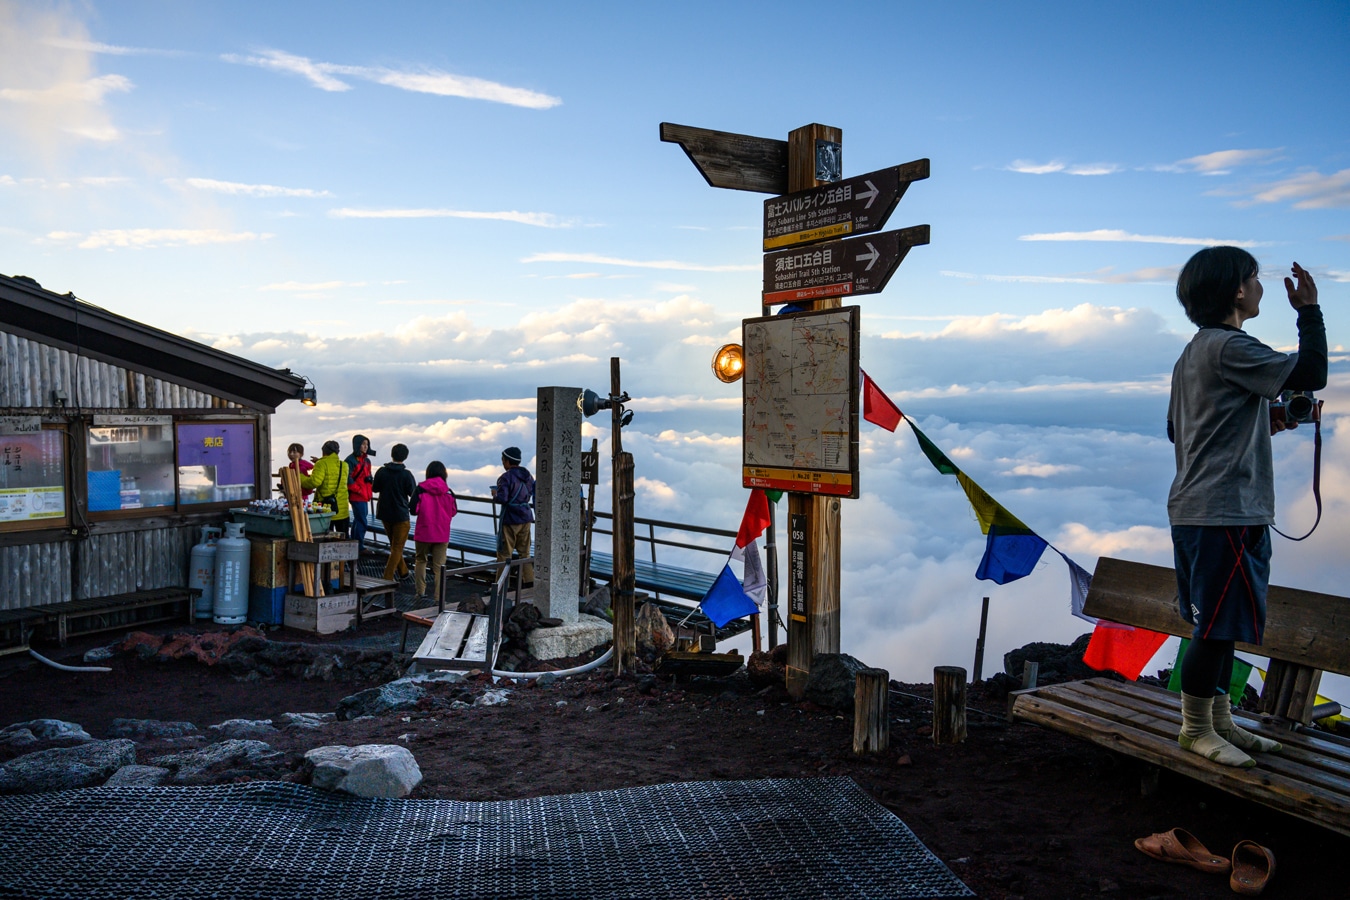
434, 506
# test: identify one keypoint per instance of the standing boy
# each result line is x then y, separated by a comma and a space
395, 485
1222, 501
515, 492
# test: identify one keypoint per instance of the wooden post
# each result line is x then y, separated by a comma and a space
622, 584
949, 705
621, 599
771, 561
818, 631
871, 711
979, 641
1031, 670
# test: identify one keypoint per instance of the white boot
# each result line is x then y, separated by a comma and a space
1198, 734
1229, 730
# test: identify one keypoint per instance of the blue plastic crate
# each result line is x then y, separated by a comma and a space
105, 490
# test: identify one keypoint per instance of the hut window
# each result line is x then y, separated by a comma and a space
130, 467
215, 462
33, 479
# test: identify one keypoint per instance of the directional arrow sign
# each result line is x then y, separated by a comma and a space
858, 205
860, 265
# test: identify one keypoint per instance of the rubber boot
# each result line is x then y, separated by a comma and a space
1198, 734
1239, 737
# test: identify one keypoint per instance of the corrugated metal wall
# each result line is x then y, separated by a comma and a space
134, 560
34, 574
31, 371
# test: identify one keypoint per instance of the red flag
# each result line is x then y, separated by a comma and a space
755, 520
877, 407
1121, 648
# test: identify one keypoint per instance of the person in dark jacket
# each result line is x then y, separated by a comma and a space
515, 492
359, 481
395, 485
434, 505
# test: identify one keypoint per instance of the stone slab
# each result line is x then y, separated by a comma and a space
569, 640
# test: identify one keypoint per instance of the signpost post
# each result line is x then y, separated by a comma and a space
816, 205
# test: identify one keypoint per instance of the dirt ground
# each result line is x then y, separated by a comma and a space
1015, 811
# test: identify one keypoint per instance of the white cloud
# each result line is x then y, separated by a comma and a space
672, 265
1155, 275
1118, 236
540, 220
1029, 167
1151, 541
48, 98
144, 238
300, 286
1222, 161
1041, 470
249, 190
1339, 276
423, 81
1309, 190
107, 49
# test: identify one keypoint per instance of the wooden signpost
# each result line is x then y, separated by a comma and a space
816, 206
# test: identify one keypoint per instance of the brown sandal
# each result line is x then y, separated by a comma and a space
1252, 867
1180, 846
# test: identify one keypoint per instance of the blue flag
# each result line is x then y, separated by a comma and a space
726, 599
1009, 554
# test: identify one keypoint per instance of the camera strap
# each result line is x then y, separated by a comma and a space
1317, 476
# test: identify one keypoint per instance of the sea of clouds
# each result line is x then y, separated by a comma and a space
1058, 415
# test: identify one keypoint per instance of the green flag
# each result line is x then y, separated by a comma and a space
930, 450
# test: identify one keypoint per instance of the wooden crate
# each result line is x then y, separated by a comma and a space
324, 615
323, 551
268, 565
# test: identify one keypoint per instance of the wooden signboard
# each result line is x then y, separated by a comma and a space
860, 265
853, 206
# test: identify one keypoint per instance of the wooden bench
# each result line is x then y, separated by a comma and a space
95, 614
374, 596
1306, 633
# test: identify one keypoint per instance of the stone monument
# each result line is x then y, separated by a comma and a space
558, 508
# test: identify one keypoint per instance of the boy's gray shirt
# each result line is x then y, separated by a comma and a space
1220, 413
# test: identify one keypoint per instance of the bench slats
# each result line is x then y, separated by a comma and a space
1087, 710
1302, 627
1159, 712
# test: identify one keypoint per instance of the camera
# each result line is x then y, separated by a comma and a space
1299, 406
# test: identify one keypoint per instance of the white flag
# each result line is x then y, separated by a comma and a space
755, 583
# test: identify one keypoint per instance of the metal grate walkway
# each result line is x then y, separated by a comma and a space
781, 838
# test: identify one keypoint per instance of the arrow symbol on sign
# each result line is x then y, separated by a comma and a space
871, 194
872, 255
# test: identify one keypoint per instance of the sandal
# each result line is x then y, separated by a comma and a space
1252, 867
1180, 846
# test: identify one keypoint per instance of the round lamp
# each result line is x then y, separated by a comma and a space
728, 363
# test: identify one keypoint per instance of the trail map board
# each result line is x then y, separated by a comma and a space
800, 418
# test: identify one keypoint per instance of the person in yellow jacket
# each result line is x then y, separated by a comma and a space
329, 483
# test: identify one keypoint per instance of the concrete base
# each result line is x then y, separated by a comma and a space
572, 639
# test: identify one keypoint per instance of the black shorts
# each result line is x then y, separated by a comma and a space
1222, 575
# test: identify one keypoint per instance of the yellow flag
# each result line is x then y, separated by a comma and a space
988, 510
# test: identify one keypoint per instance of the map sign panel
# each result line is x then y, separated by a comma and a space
857, 205
800, 417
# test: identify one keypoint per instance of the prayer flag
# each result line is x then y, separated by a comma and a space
1009, 555
1237, 685
988, 510
755, 582
877, 407
726, 599
1121, 648
1079, 584
930, 450
753, 523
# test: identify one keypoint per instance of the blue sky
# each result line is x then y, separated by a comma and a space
431, 209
